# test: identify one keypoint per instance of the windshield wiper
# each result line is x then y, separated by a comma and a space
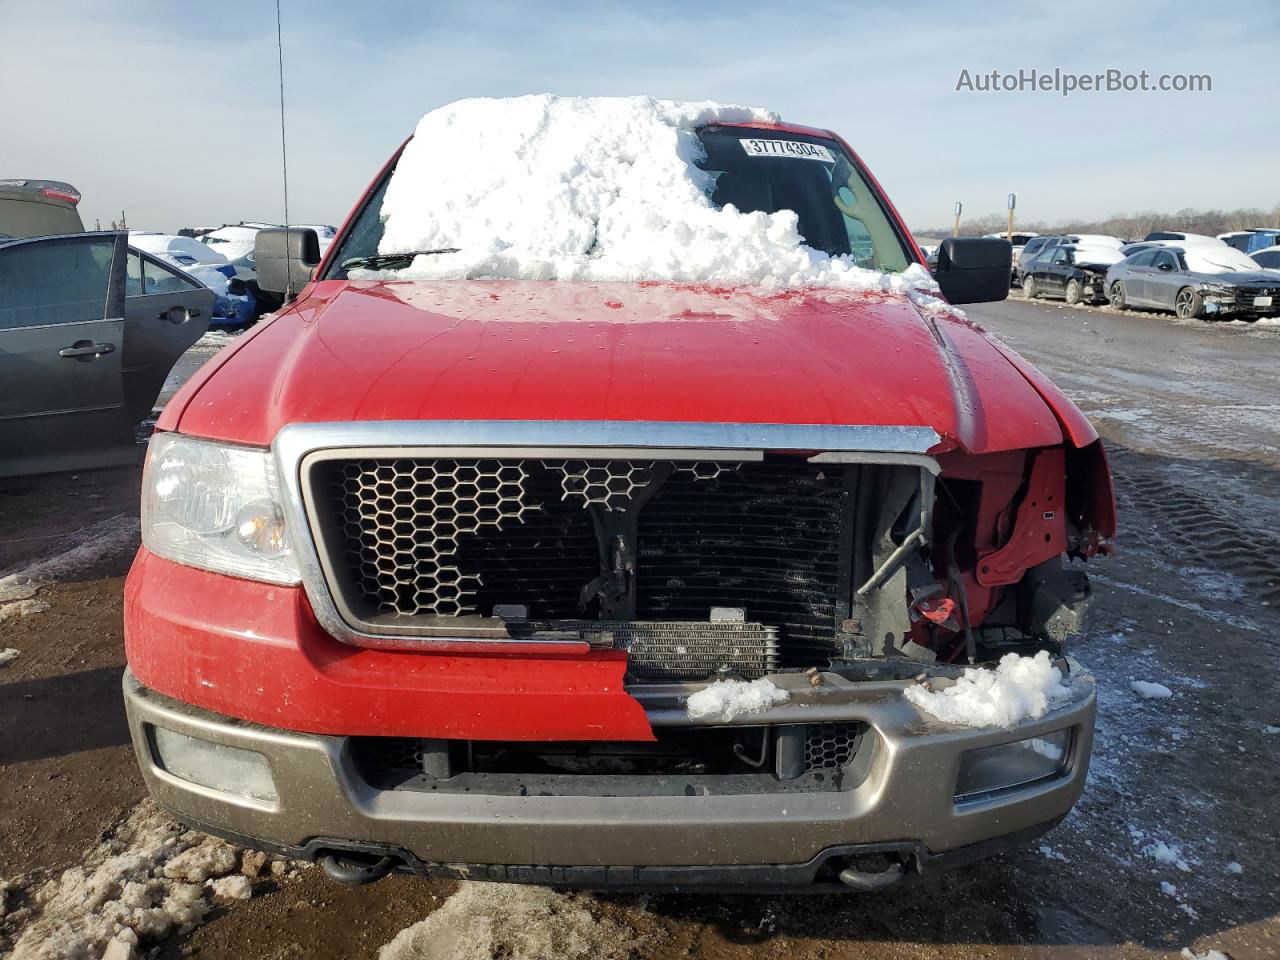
394, 261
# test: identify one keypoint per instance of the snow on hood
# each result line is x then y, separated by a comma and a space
1095, 254
591, 188
1224, 259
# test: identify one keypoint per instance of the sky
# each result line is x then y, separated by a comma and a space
170, 112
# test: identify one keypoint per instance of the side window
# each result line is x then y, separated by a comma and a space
1144, 258
157, 278
1060, 255
365, 235
1166, 261
133, 274
55, 281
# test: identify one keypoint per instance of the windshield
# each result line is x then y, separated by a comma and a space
759, 170
754, 170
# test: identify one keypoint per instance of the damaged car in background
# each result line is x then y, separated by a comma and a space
1076, 273
1195, 281
485, 558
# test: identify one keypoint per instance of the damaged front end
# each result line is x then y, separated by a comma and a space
704, 563
578, 587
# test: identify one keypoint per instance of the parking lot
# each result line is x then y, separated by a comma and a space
1172, 847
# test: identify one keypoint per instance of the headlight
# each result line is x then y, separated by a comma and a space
217, 507
1006, 766
1218, 289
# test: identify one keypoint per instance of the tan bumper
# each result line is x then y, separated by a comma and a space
906, 796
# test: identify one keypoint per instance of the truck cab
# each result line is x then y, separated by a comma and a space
554, 555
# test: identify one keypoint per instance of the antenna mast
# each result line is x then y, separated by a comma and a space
284, 156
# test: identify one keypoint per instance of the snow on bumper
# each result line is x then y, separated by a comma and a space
906, 792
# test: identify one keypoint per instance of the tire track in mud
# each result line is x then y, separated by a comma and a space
1189, 529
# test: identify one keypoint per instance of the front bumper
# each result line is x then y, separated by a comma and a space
903, 804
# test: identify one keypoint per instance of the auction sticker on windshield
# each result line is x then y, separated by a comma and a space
787, 148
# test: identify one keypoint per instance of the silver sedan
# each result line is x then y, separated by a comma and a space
1195, 281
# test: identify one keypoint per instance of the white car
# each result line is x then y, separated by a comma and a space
1268, 258
236, 242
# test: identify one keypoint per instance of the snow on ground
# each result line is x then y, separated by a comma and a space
486, 920
1165, 853
21, 608
216, 338
1148, 690
726, 699
152, 878
1020, 688
8, 655
89, 545
592, 188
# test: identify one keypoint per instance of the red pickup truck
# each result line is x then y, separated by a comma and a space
617, 583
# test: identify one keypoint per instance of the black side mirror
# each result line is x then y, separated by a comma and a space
284, 259
974, 269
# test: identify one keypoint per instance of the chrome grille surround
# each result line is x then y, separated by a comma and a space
296, 446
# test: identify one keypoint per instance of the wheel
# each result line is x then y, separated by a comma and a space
1188, 305
1029, 288
1073, 292
1117, 295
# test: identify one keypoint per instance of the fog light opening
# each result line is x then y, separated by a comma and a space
217, 766
990, 771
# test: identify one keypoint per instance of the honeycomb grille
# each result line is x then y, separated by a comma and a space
613, 483
829, 746
401, 521
439, 539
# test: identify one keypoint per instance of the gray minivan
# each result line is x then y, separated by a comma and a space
38, 208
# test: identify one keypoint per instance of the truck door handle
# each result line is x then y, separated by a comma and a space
86, 348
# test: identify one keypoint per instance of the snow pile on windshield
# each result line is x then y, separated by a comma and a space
726, 699
1020, 688
591, 188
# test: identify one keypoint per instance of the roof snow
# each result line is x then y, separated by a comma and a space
591, 188
1020, 688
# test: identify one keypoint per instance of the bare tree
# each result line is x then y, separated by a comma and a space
1133, 226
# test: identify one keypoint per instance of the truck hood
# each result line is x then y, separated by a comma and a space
531, 350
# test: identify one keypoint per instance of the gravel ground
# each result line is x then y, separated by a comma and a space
1173, 847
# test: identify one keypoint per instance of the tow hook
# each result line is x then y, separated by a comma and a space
869, 881
350, 869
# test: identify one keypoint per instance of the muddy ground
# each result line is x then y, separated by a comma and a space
1192, 415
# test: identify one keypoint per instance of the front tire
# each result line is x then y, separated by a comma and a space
1073, 292
1029, 288
1117, 297
1188, 305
